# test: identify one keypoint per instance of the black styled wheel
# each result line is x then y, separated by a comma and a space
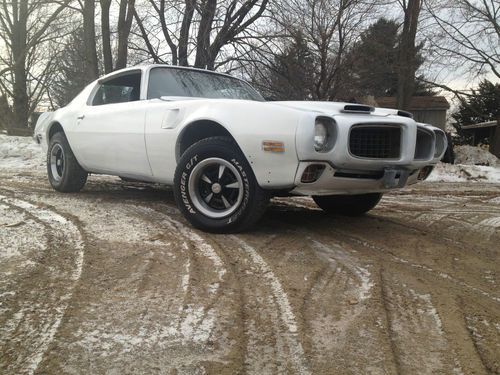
65, 174
348, 205
215, 188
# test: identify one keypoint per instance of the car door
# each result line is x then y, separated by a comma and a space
111, 128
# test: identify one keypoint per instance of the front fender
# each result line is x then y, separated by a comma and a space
252, 123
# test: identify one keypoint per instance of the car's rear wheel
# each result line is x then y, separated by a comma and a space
348, 205
65, 174
215, 188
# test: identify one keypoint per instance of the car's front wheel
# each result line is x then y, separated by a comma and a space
215, 188
65, 174
348, 205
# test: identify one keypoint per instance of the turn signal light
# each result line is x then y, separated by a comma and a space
273, 146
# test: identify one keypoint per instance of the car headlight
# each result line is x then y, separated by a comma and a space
323, 134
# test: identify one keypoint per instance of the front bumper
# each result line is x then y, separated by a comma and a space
334, 181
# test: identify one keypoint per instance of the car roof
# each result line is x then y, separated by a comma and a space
147, 67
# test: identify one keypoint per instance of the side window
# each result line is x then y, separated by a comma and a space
123, 89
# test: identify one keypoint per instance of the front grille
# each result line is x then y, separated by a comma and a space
423, 147
440, 142
375, 141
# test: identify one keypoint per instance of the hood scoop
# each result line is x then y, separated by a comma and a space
358, 108
405, 114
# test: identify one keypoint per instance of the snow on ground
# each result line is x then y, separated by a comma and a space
20, 153
461, 173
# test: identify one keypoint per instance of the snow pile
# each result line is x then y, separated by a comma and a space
470, 155
20, 153
471, 164
462, 173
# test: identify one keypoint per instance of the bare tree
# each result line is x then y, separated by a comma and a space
26, 26
106, 35
125, 16
329, 27
469, 35
89, 38
196, 31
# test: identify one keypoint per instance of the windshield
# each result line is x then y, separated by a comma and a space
198, 84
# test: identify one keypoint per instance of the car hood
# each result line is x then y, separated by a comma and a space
333, 108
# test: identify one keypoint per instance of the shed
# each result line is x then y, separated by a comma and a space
485, 130
428, 109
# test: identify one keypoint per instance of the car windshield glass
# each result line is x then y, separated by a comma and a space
198, 84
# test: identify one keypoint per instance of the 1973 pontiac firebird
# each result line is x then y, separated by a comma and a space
226, 151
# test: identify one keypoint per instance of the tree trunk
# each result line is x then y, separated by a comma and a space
203, 57
184, 33
407, 55
106, 36
124, 24
19, 35
91, 66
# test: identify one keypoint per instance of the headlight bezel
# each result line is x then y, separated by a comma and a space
324, 127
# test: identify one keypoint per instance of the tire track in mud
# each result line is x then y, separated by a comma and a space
39, 316
484, 331
363, 242
286, 314
436, 273
400, 301
406, 359
416, 331
193, 317
336, 253
286, 347
325, 332
337, 308
369, 245
485, 219
187, 325
193, 324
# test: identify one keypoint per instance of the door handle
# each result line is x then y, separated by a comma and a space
81, 117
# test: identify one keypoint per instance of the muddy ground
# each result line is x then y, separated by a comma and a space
113, 280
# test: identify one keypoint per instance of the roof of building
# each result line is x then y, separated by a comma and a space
486, 124
418, 103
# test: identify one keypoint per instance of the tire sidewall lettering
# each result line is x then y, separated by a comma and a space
246, 192
184, 191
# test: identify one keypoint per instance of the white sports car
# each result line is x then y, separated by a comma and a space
226, 151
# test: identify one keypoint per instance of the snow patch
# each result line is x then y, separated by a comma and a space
20, 153
197, 325
462, 173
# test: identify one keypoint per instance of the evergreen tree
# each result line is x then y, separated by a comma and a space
72, 70
290, 76
374, 61
483, 105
